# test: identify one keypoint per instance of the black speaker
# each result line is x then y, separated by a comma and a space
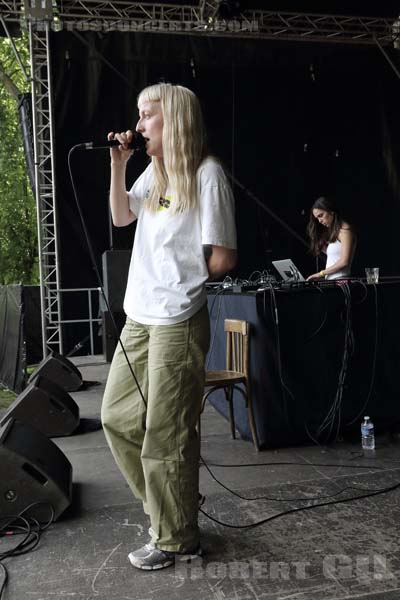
115, 275
109, 333
45, 406
59, 369
32, 469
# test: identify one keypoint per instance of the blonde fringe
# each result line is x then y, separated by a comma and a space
184, 146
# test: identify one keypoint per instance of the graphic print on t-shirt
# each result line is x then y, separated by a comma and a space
164, 203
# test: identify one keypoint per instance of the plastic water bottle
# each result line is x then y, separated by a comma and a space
367, 434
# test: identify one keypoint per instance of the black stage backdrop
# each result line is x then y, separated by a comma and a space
291, 121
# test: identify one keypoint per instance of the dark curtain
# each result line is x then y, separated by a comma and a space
12, 346
32, 324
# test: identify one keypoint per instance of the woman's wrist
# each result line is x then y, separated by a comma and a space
322, 273
118, 163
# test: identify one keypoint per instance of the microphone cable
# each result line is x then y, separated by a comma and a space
98, 277
276, 499
369, 494
316, 501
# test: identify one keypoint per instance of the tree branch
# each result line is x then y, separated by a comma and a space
10, 86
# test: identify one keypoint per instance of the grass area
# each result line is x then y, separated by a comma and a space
6, 397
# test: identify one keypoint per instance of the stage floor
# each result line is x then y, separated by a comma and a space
336, 552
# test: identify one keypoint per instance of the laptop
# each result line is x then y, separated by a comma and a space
288, 270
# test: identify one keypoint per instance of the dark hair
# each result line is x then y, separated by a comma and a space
320, 235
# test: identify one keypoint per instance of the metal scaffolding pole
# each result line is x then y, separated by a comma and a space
43, 138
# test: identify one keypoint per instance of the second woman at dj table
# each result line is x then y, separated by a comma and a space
329, 233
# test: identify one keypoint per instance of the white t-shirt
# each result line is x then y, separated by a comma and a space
168, 269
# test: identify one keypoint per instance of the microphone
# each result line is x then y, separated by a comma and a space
137, 143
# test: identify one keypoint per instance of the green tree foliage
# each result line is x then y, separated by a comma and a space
18, 228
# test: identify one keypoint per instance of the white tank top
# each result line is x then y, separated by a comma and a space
333, 252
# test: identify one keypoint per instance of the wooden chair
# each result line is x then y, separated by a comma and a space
236, 374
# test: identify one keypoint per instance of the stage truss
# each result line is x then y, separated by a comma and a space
205, 19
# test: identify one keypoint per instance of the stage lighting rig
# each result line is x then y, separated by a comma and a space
39, 10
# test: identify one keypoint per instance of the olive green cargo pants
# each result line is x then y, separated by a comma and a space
157, 447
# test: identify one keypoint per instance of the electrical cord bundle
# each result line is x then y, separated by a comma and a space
275, 319
269, 286
261, 278
21, 525
332, 420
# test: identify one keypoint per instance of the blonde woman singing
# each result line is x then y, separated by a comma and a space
185, 236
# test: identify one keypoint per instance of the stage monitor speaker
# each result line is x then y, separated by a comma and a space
32, 469
45, 406
59, 369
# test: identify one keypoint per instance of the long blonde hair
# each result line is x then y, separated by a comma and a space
184, 145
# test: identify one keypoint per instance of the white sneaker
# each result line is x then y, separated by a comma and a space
150, 558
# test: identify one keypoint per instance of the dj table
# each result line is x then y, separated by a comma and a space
321, 357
